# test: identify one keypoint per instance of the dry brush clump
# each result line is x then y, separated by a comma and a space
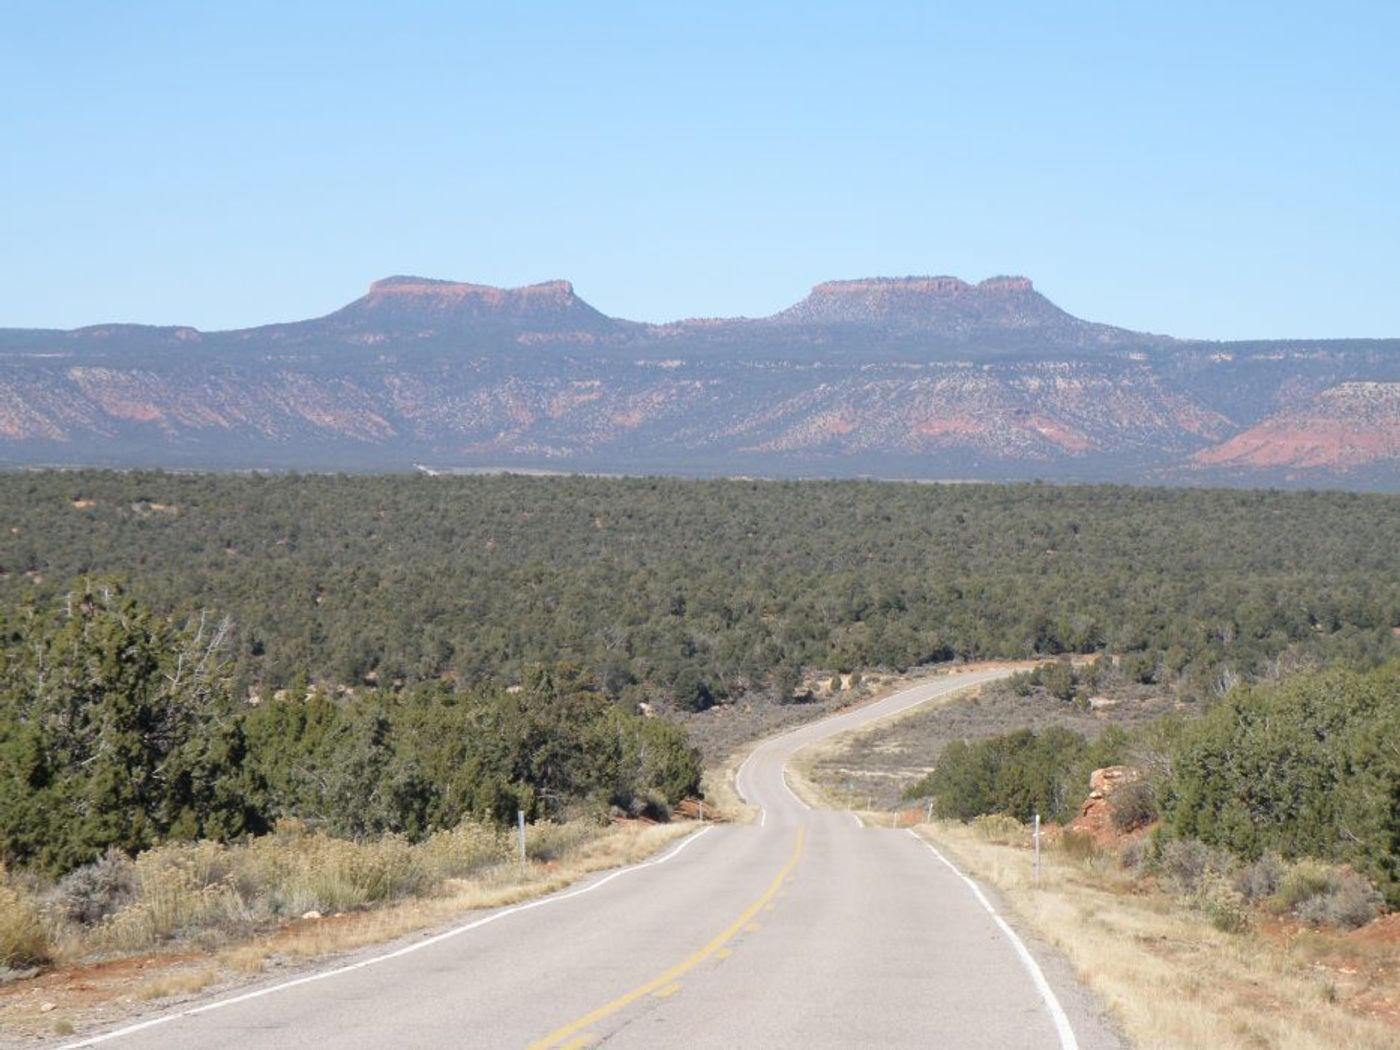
999, 828
1325, 895
25, 933
181, 891
1226, 889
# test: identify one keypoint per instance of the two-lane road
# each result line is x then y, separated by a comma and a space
803, 929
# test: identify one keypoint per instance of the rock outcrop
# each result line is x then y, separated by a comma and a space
1095, 818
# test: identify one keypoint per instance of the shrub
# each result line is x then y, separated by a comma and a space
1263, 878
1000, 828
1058, 680
1327, 896
24, 935
653, 806
1132, 854
1077, 846
173, 895
1351, 903
1224, 905
1139, 667
1020, 773
465, 850
332, 875
1304, 767
1133, 806
546, 842
1305, 880
89, 894
1185, 863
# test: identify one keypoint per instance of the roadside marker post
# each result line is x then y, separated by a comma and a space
928, 815
1037, 849
520, 823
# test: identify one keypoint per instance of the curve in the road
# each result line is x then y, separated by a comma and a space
864, 940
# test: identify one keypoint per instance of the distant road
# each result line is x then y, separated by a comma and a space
803, 929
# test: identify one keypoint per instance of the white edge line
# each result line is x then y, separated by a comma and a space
406, 950
762, 817
739, 774
859, 823
1047, 994
788, 788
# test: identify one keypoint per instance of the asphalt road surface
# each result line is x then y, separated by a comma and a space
802, 929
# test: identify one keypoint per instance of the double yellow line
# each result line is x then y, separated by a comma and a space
675, 973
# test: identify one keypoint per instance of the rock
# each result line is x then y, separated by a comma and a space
1095, 818
48, 1008
311, 914
1104, 782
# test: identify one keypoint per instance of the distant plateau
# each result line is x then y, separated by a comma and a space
916, 377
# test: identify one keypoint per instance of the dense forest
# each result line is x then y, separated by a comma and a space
199, 656
694, 590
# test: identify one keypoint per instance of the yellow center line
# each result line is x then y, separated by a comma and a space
671, 976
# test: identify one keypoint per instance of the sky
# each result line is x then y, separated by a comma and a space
1213, 170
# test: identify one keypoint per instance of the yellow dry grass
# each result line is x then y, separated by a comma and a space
1173, 980
721, 793
25, 937
178, 983
497, 887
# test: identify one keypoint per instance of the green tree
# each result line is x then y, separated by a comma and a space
109, 708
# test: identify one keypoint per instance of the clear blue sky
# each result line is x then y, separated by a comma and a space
1217, 169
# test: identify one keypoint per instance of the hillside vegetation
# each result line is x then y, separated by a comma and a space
119, 730
1305, 769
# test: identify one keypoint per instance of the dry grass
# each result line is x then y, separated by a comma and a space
26, 938
244, 959
574, 852
181, 983
721, 793
1173, 979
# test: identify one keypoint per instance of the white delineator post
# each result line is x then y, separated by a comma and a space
1037, 849
520, 823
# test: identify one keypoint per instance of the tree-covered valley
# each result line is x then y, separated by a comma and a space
696, 590
187, 656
